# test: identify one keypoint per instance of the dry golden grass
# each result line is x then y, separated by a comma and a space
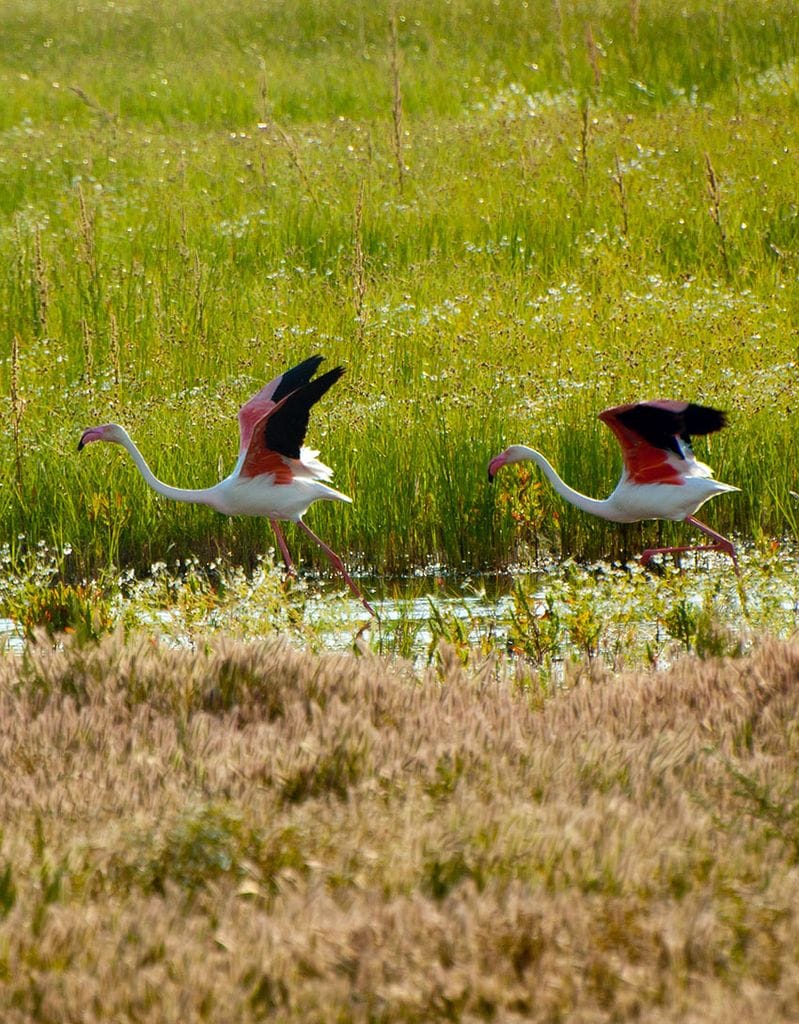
249, 832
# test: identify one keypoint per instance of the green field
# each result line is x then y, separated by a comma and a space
568, 793
571, 206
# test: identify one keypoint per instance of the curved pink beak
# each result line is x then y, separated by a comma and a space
92, 434
494, 465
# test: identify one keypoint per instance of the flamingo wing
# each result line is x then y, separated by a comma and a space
271, 394
279, 433
655, 438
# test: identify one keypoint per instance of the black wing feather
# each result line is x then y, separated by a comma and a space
296, 377
701, 419
285, 429
661, 427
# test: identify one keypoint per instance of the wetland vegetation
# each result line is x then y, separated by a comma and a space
548, 785
502, 218
572, 206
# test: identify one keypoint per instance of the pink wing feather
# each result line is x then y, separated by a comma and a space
655, 438
254, 410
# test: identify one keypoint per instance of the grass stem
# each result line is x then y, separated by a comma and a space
396, 101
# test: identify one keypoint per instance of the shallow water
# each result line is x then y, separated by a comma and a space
623, 615
12, 637
560, 611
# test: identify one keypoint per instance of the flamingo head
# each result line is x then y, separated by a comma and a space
106, 432
509, 455
494, 465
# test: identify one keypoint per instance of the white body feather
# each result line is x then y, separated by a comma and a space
261, 496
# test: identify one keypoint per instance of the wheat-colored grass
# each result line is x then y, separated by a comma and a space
247, 832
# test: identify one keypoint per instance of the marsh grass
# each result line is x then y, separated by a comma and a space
617, 615
502, 218
248, 830
180, 238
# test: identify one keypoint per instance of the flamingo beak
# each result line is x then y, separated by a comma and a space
495, 464
91, 434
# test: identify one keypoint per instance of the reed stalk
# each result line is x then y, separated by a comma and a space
560, 36
593, 58
88, 356
714, 194
41, 289
585, 142
621, 194
396, 101
359, 268
114, 352
88, 248
635, 21
17, 411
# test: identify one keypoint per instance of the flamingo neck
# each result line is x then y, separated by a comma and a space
595, 506
202, 496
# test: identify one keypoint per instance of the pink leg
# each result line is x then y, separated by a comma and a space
721, 544
284, 551
338, 564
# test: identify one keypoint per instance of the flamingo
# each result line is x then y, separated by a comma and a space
274, 475
660, 477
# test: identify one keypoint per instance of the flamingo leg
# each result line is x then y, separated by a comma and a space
721, 544
339, 565
281, 542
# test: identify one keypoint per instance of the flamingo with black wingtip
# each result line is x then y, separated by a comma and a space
275, 476
660, 477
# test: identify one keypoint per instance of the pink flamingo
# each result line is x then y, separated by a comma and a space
274, 475
660, 478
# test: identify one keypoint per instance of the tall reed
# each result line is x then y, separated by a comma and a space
396, 99
17, 410
714, 194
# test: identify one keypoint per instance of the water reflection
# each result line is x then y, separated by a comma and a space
623, 615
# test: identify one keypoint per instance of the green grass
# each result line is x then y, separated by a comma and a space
563, 614
178, 196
